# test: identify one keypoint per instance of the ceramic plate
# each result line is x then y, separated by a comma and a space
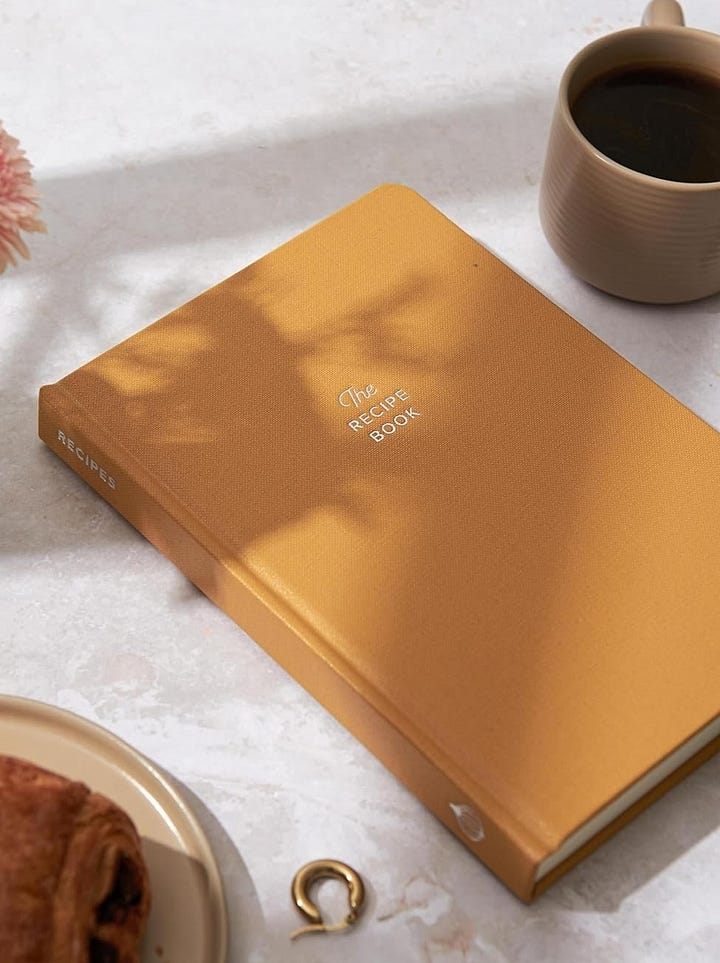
188, 920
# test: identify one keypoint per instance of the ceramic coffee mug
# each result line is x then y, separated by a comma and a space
625, 232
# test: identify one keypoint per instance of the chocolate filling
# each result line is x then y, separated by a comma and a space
100, 951
126, 892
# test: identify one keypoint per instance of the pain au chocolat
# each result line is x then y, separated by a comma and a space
73, 884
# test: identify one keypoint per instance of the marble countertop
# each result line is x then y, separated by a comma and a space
174, 143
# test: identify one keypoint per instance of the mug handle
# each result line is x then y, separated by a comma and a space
663, 13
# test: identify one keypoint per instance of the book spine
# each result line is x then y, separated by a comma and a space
483, 826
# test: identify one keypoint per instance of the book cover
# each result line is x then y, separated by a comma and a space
484, 541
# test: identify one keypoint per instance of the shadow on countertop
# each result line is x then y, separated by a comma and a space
644, 849
246, 925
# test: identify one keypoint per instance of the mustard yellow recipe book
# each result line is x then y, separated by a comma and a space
483, 540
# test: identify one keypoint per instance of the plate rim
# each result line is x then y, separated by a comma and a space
94, 732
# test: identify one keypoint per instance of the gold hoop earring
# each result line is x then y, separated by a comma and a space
326, 869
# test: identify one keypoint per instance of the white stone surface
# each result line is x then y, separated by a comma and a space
174, 143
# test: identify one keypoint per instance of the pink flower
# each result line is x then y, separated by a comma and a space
18, 200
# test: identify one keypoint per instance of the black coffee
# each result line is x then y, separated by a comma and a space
662, 121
